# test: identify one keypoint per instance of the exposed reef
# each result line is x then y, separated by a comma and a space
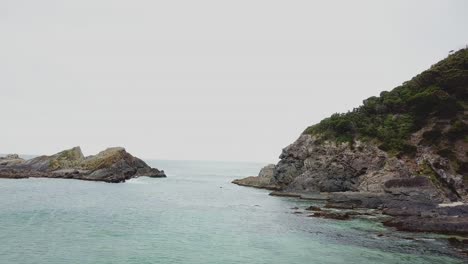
111, 165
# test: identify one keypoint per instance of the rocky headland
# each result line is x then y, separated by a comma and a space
111, 165
264, 180
403, 154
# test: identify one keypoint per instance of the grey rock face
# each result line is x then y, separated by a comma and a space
419, 185
451, 184
11, 159
439, 224
417, 212
309, 165
264, 180
312, 165
409, 189
110, 165
267, 171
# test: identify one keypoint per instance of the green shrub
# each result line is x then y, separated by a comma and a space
394, 115
458, 130
431, 137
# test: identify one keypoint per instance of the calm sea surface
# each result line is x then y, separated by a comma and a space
194, 216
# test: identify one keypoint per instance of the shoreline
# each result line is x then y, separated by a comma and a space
410, 217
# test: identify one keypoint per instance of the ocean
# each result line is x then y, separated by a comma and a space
195, 215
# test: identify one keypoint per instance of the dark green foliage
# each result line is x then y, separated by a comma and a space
458, 130
438, 93
431, 137
445, 153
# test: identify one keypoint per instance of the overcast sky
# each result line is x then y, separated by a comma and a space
204, 80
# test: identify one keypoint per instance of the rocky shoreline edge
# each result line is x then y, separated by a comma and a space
402, 154
405, 205
112, 165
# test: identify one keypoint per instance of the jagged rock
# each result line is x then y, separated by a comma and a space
11, 159
267, 171
439, 224
264, 180
450, 183
110, 165
353, 200
314, 166
364, 176
415, 186
63, 160
404, 152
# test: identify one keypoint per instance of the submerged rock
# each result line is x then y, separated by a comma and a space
313, 208
110, 165
331, 215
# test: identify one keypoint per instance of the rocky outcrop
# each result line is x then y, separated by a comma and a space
404, 152
12, 159
446, 220
446, 225
408, 141
110, 165
311, 165
264, 180
363, 176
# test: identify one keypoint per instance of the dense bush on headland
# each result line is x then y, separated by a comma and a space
436, 98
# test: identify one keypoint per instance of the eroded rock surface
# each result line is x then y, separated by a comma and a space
110, 165
311, 165
363, 176
404, 152
264, 180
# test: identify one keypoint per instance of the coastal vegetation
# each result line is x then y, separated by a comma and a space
436, 100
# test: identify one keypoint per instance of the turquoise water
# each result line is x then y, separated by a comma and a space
194, 216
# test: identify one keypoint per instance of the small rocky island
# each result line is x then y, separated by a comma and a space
403, 154
111, 165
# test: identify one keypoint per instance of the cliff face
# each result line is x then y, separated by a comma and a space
309, 165
110, 165
403, 153
418, 129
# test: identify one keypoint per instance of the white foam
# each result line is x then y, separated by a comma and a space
451, 204
139, 180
